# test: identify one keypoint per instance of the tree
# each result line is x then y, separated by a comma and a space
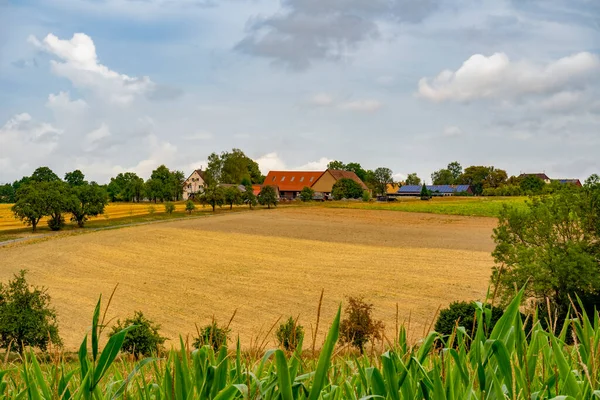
358, 170
551, 248
495, 178
190, 206
7, 193
346, 188
425, 193
213, 196
31, 205
44, 174
144, 339
413, 179
442, 177
126, 187
338, 165
233, 196
249, 197
382, 177
26, 318
58, 201
358, 327
169, 207
268, 196
456, 170
307, 194
480, 177
75, 178
87, 200
232, 168
532, 184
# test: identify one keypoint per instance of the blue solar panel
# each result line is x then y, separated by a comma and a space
434, 188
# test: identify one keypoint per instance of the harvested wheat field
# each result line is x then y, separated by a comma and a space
265, 264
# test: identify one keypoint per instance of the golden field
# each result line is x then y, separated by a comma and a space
265, 264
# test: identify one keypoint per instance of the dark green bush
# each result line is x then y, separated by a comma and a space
307, 194
464, 313
144, 339
211, 335
26, 318
290, 334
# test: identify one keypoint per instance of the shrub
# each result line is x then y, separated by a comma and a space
290, 334
464, 313
346, 188
151, 210
190, 206
144, 339
359, 326
307, 194
26, 318
169, 207
211, 335
366, 196
425, 193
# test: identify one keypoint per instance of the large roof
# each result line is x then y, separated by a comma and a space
540, 175
200, 172
434, 188
339, 174
292, 181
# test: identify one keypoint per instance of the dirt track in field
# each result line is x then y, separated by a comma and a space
265, 264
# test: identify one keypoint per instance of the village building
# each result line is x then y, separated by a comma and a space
193, 184
436, 190
291, 183
569, 181
539, 175
324, 184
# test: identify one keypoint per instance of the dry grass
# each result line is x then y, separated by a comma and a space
265, 264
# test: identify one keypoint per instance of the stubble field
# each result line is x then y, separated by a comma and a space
265, 264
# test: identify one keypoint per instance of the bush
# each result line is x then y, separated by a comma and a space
346, 188
366, 196
56, 222
290, 334
359, 326
26, 318
169, 207
144, 339
211, 335
464, 313
307, 194
151, 210
425, 193
190, 206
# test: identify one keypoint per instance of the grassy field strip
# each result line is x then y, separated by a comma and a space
180, 276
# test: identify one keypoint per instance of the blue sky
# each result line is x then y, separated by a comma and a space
108, 86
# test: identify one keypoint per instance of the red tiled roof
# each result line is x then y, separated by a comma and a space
292, 181
339, 174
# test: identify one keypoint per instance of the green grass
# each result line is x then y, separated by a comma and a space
509, 362
468, 206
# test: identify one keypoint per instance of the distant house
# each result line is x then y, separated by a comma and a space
539, 175
291, 183
436, 190
257, 188
324, 184
575, 182
193, 184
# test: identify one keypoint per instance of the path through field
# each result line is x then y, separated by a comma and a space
265, 264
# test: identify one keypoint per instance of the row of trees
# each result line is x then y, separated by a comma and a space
44, 194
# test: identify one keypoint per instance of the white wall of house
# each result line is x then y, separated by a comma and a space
193, 184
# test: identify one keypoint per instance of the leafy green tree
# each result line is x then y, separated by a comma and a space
290, 334
26, 317
413, 179
44, 174
190, 206
232, 167
592, 181
87, 200
126, 187
456, 170
480, 177
144, 339
249, 197
551, 248
169, 207
346, 188
425, 193
75, 178
337, 165
532, 185
382, 177
213, 195
31, 205
307, 194
495, 178
58, 201
268, 196
233, 196
442, 177
358, 170
7, 193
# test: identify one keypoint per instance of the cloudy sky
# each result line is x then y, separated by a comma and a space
108, 86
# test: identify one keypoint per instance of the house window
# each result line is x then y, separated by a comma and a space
311, 178
302, 179
292, 180
282, 178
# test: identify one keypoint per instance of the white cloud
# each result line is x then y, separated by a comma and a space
94, 137
270, 162
452, 131
79, 63
497, 77
563, 101
322, 100
62, 102
362, 105
319, 165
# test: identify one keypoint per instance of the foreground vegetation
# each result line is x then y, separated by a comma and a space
507, 362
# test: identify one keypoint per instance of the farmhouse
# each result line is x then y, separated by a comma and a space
569, 181
324, 184
436, 190
291, 183
193, 184
539, 175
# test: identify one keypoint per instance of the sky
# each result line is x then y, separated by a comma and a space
108, 86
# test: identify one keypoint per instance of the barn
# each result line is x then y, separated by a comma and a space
291, 183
